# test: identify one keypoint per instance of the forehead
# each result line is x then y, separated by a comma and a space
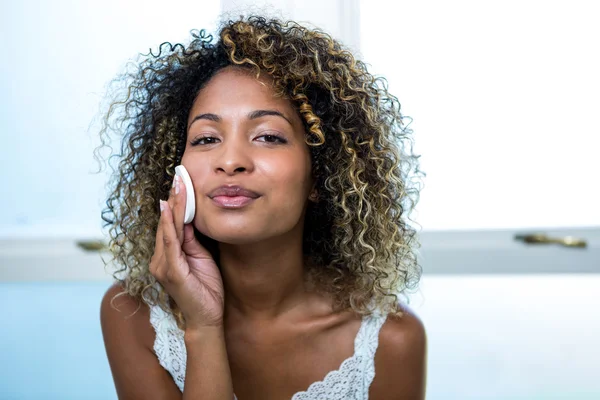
231, 86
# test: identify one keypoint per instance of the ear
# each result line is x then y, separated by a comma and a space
314, 193
314, 196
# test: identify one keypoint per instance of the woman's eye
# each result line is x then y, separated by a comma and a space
203, 140
273, 139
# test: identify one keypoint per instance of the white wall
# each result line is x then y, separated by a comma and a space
57, 58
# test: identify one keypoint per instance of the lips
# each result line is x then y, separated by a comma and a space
232, 196
233, 191
232, 202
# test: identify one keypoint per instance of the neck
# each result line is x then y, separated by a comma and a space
264, 280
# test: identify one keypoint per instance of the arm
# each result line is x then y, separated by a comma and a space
129, 341
207, 375
136, 370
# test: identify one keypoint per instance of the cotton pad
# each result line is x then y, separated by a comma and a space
190, 202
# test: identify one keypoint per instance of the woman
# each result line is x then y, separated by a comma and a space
286, 282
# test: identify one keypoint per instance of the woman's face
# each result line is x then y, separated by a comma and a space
240, 134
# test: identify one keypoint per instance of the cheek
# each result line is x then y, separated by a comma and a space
289, 176
286, 169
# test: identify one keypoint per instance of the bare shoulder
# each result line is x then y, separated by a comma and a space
129, 340
403, 335
400, 361
121, 314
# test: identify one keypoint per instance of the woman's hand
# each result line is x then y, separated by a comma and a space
184, 267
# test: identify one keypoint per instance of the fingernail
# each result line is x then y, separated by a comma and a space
177, 184
162, 205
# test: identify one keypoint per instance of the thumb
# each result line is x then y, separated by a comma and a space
191, 246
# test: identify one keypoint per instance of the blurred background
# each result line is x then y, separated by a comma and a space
503, 98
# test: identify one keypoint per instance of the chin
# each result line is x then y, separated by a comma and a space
232, 234
237, 241
243, 228
235, 238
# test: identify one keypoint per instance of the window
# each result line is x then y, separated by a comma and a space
504, 100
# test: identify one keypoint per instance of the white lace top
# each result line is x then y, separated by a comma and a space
350, 381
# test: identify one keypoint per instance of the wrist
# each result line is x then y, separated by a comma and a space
193, 333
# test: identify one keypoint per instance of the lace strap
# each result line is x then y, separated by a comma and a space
169, 345
365, 345
367, 338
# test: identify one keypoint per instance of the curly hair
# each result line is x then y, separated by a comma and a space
357, 244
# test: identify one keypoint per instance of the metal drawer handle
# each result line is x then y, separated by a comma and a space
92, 245
540, 238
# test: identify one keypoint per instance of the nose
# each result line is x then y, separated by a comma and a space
234, 157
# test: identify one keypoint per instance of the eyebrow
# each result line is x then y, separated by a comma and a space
252, 115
